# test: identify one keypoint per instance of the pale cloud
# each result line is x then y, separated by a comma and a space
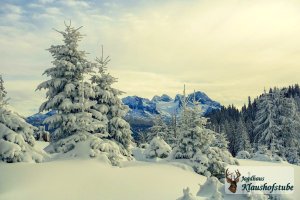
45, 1
228, 49
12, 12
53, 11
76, 3
23, 96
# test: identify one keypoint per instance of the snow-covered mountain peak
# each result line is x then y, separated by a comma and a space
164, 98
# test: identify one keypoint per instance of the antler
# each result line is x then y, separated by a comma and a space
229, 180
238, 174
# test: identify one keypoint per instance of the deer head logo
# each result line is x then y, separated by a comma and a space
233, 180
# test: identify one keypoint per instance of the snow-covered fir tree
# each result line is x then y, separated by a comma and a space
289, 122
141, 137
196, 143
159, 128
292, 155
243, 137
173, 130
17, 143
233, 137
266, 121
277, 124
157, 148
88, 111
221, 141
108, 104
67, 91
2, 90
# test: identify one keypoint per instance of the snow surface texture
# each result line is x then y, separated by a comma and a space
91, 179
187, 195
78, 179
17, 143
89, 146
213, 189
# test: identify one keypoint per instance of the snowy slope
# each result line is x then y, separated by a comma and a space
93, 179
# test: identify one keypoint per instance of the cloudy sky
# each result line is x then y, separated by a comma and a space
228, 49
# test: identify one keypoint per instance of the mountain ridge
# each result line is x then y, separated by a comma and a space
142, 111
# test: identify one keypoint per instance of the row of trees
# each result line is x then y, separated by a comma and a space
271, 121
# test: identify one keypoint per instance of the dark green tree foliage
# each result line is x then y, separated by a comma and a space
272, 119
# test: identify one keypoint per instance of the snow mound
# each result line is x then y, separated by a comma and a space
187, 195
89, 146
213, 189
158, 148
263, 154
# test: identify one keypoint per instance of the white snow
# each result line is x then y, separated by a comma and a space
94, 179
91, 179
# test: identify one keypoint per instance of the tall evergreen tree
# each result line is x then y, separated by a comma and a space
159, 128
88, 110
289, 121
173, 131
2, 90
110, 105
67, 92
243, 138
266, 121
197, 144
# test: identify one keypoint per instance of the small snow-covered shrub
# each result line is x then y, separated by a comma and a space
243, 155
158, 148
200, 164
